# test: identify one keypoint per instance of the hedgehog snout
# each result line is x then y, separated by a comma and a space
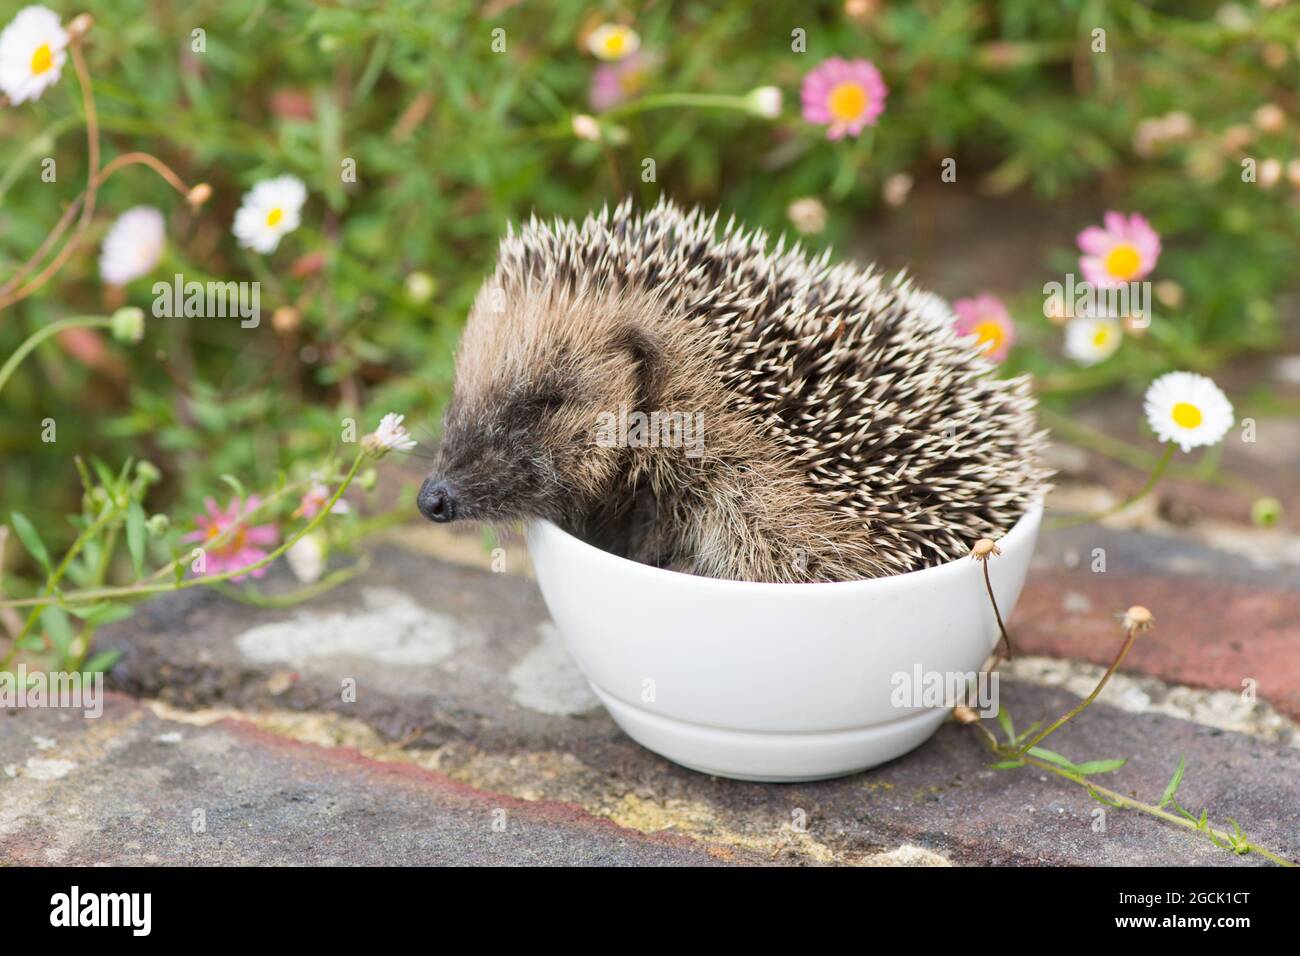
437, 500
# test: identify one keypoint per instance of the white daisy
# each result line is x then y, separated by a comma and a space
611, 41
391, 435
270, 210
32, 53
1188, 409
1089, 340
132, 246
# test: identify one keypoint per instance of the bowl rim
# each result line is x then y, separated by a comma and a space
1025, 528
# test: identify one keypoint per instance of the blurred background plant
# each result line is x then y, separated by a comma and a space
457, 117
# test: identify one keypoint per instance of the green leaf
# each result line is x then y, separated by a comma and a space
31, 540
86, 483
1100, 766
57, 627
102, 661
233, 482
1004, 721
135, 535
105, 476
1053, 757
1106, 801
1005, 765
107, 612
1172, 789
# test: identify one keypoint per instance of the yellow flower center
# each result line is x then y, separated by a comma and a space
42, 59
847, 101
991, 335
1123, 262
233, 546
1186, 415
615, 42
1101, 336
274, 216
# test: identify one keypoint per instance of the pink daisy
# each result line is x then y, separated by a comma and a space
845, 95
1126, 250
615, 83
986, 318
245, 544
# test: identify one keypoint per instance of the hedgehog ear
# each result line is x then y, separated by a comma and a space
648, 356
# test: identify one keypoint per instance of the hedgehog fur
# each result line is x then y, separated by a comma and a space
848, 431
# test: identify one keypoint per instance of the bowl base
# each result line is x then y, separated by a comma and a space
770, 757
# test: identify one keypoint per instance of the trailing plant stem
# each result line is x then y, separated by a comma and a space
43, 333
1120, 800
1156, 473
1064, 719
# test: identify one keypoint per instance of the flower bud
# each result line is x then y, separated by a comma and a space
765, 101
128, 324
1265, 512
420, 287
586, 127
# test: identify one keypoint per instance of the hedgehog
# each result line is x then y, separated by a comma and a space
845, 430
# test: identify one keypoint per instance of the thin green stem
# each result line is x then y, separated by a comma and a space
723, 101
1120, 800
315, 589
1135, 457
1082, 705
1156, 473
43, 333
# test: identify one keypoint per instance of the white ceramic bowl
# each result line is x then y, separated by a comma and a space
771, 681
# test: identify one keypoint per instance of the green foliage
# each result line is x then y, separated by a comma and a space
451, 140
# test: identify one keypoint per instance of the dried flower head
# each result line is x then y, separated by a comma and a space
198, 195
1139, 619
983, 549
807, 215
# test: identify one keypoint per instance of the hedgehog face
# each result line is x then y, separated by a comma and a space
522, 437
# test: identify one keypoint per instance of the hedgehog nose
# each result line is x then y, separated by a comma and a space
436, 500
